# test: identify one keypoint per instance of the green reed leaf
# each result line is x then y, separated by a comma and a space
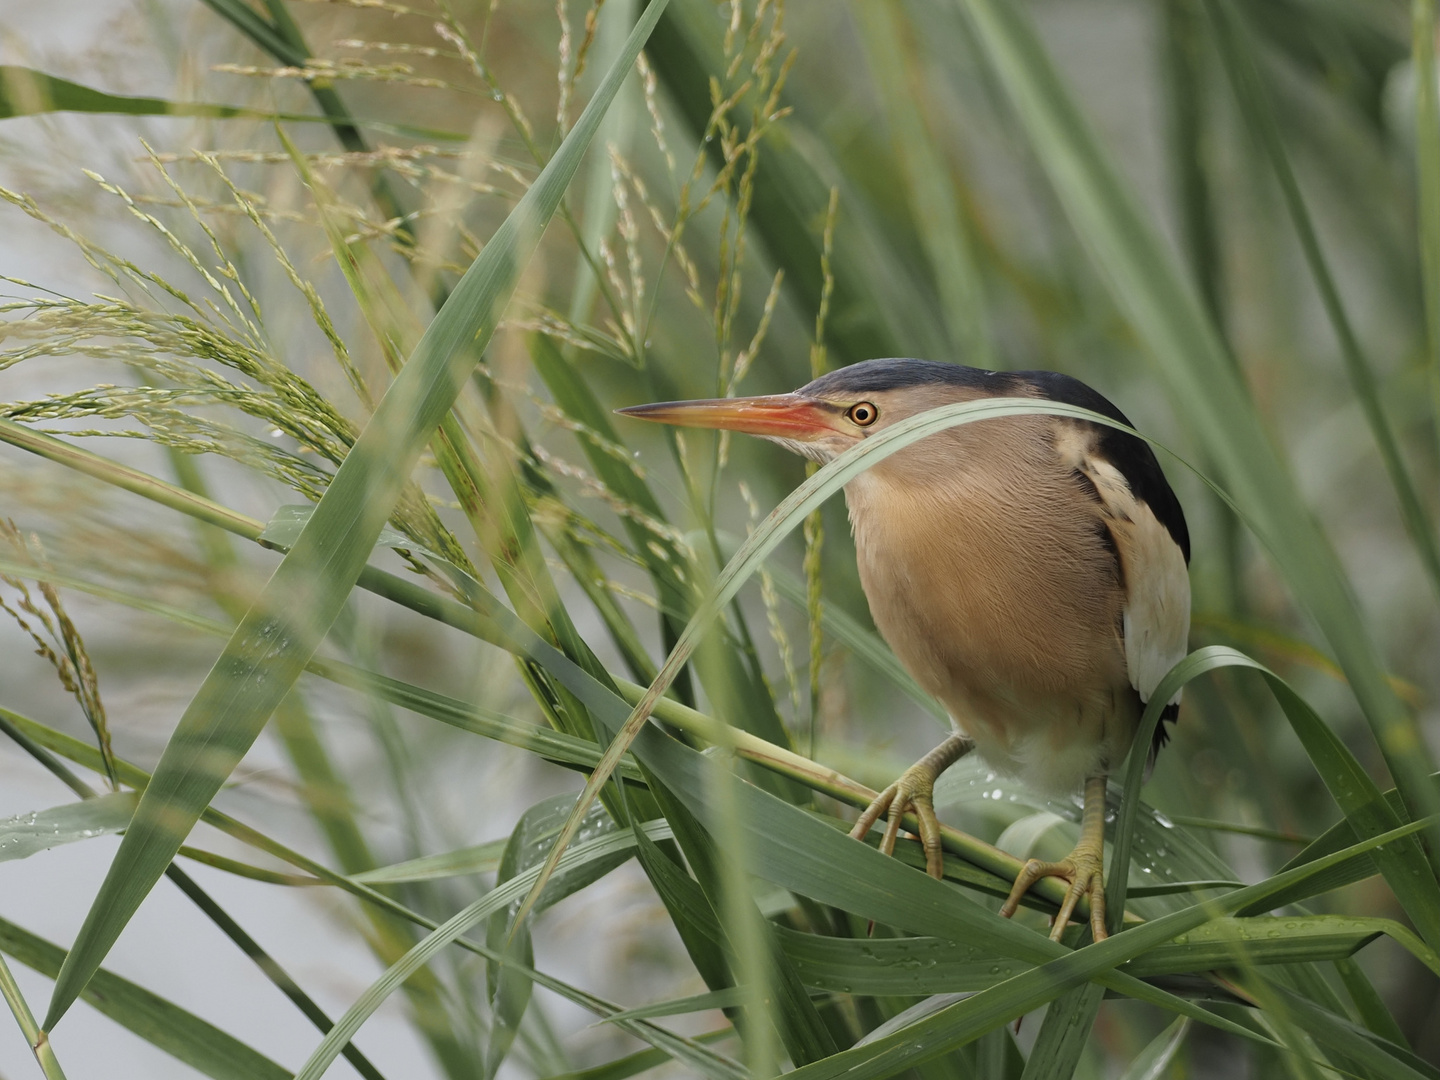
714, 999
162, 1023
1151, 1063
966, 1020
477, 859
909, 966
25, 834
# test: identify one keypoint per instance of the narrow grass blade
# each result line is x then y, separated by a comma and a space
1064, 1033
1358, 797
509, 993
634, 1064
270, 647
1151, 1063
600, 211
180, 1034
915, 966
1427, 188
1357, 1044
685, 901
246, 870
721, 907
1369, 1005
480, 859
39, 1042
27, 92
553, 745
1182, 342
25, 834
271, 968
258, 30
714, 999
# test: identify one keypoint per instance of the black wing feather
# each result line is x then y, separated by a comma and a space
1131, 455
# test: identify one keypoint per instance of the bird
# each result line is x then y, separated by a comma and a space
1030, 571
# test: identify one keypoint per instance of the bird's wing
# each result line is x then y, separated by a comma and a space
1157, 582
1146, 522
1157, 603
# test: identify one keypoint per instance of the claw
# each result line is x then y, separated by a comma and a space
915, 791
1082, 868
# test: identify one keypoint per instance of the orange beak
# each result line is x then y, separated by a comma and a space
780, 416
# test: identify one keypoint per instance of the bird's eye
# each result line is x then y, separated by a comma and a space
863, 414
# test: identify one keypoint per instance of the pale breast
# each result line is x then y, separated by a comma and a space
991, 573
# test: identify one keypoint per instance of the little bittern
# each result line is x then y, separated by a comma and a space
1029, 571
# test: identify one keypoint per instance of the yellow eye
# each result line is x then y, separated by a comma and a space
863, 414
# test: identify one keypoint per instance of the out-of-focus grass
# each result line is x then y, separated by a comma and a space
777, 189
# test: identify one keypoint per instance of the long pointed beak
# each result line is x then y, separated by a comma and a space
782, 416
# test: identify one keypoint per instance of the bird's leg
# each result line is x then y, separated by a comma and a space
915, 791
1083, 868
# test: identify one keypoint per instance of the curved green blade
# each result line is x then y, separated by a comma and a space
27, 92
161, 1023
25, 834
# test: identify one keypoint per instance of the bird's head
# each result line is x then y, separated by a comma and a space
828, 416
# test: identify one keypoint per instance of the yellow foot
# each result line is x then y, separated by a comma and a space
914, 791
1082, 868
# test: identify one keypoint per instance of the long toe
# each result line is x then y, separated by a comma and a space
873, 813
1082, 870
914, 791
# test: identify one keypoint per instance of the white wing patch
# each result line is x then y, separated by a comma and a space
1157, 583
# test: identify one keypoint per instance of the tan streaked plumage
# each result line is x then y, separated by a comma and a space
1014, 566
